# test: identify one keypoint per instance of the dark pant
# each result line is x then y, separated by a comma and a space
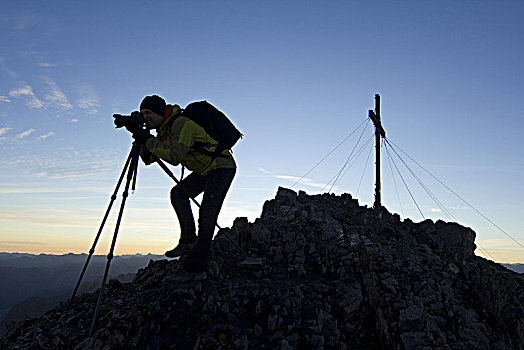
215, 186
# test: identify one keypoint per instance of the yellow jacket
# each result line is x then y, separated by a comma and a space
180, 141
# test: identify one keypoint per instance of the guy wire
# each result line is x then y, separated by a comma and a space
364, 171
446, 212
347, 160
357, 155
344, 140
393, 177
462, 199
407, 188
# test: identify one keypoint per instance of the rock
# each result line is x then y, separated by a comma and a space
411, 318
456, 241
414, 341
322, 273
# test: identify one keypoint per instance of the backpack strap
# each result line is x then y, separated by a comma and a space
201, 147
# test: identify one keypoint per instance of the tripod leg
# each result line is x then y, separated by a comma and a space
92, 250
135, 151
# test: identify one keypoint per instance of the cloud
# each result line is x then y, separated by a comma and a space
297, 179
25, 21
258, 189
306, 182
4, 190
25, 133
88, 100
65, 164
43, 137
459, 207
56, 96
74, 120
501, 250
291, 178
262, 170
137, 218
46, 216
13, 243
26, 92
4, 130
495, 244
46, 65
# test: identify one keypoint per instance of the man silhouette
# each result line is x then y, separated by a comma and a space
180, 140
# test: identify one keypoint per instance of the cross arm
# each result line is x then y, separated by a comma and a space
377, 123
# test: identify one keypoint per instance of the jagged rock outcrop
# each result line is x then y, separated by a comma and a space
322, 273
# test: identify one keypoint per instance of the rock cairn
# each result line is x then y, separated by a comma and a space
322, 273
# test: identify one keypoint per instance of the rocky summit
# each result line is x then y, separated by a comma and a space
322, 273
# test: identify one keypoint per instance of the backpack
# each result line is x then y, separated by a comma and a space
215, 124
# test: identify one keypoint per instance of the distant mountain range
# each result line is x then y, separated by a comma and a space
32, 284
515, 267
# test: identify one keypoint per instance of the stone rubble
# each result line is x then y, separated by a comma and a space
322, 273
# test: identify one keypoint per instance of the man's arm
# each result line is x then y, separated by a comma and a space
171, 154
181, 138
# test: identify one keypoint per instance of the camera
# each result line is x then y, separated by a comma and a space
133, 121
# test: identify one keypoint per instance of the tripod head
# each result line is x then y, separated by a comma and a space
135, 124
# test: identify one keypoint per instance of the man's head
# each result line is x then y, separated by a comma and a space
153, 109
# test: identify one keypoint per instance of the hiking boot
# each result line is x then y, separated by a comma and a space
181, 249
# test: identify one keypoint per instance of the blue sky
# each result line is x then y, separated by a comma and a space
296, 77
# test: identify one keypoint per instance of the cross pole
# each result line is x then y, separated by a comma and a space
379, 132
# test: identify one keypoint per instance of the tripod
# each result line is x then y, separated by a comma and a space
131, 166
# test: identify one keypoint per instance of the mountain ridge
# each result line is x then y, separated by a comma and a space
322, 272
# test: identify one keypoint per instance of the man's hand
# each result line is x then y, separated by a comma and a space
133, 128
142, 135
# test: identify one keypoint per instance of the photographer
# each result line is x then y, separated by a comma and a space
180, 140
